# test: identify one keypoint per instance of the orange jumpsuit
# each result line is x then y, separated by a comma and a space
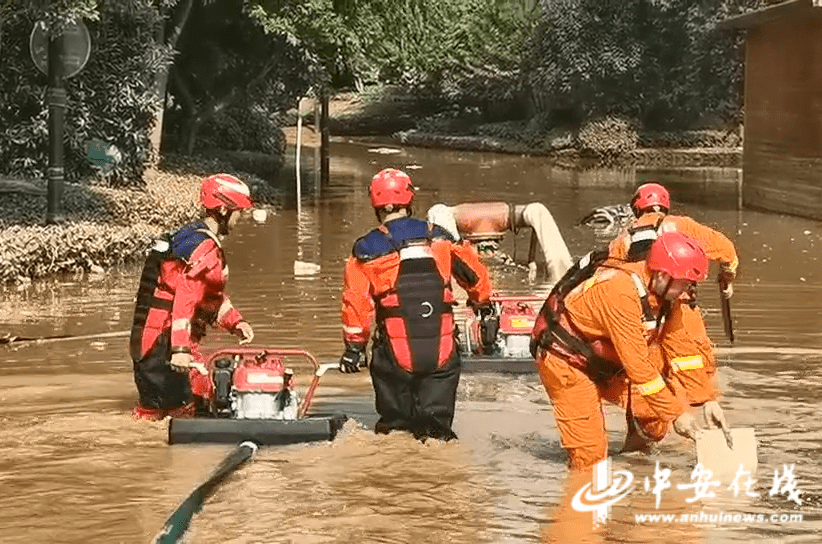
608, 307
687, 347
403, 270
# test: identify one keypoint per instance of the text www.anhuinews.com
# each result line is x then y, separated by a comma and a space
719, 517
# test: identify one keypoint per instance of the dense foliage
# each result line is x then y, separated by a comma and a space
662, 63
234, 64
230, 78
111, 99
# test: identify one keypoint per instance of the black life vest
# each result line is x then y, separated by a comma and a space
416, 316
178, 245
640, 240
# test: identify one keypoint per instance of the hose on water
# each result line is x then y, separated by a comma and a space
177, 524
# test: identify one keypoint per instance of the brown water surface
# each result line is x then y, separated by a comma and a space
75, 468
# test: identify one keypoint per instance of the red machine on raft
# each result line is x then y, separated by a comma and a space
248, 394
498, 341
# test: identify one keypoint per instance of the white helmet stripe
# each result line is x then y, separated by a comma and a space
237, 186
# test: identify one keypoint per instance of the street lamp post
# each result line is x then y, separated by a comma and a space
58, 56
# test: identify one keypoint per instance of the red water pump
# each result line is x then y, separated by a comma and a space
251, 383
506, 331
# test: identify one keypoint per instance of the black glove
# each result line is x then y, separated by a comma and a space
353, 359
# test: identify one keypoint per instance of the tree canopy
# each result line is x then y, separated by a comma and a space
231, 65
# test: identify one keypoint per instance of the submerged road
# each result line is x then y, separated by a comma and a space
75, 468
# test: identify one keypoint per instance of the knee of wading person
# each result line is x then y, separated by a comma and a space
615, 390
577, 411
587, 431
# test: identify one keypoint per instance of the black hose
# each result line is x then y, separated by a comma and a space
177, 524
10, 339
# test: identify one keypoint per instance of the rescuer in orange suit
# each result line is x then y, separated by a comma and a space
687, 349
598, 337
403, 270
181, 293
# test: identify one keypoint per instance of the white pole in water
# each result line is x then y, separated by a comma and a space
301, 268
297, 160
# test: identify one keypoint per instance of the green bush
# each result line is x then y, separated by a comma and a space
243, 127
607, 136
265, 165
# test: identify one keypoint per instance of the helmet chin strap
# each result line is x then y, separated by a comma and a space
667, 286
220, 217
222, 222
652, 209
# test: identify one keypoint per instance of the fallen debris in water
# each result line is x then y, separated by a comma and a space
305, 269
385, 150
607, 216
259, 215
714, 452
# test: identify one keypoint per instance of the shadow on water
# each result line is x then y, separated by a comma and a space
76, 468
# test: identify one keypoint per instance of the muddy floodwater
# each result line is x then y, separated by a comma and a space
75, 468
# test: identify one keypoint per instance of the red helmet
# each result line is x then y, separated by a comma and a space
650, 195
678, 255
391, 186
224, 191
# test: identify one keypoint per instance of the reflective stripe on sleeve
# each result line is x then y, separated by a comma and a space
352, 330
181, 325
654, 386
687, 363
225, 307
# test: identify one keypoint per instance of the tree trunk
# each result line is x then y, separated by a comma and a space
192, 129
188, 106
180, 17
160, 84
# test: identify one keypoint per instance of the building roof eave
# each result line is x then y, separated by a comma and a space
790, 8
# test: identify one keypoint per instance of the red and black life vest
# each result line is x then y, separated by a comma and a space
178, 245
416, 315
